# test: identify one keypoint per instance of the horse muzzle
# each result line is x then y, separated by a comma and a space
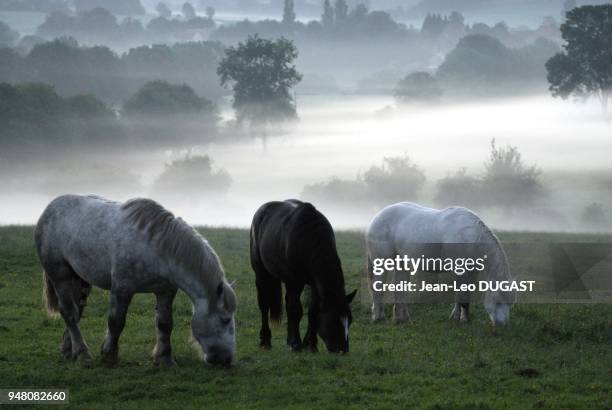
217, 356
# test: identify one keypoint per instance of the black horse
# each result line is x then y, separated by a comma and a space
292, 242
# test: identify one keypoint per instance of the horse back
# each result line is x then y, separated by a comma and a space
289, 237
401, 226
81, 231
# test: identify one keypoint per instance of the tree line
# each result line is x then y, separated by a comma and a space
75, 69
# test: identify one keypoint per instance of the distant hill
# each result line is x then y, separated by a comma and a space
498, 8
117, 7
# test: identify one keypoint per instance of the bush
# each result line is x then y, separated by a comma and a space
337, 191
417, 87
594, 216
507, 182
459, 189
193, 177
397, 179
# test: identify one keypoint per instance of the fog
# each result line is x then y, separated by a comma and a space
398, 101
342, 136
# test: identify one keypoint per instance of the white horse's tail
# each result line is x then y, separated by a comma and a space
49, 296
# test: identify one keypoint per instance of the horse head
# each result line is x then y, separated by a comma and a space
334, 321
213, 326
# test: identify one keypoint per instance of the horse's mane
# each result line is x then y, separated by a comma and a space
176, 239
486, 235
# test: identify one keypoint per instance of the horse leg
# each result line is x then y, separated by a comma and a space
81, 290
66, 345
265, 288
378, 308
67, 286
162, 353
460, 312
400, 311
462, 301
119, 302
464, 317
294, 315
310, 339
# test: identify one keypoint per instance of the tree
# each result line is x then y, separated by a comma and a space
162, 98
188, 11
456, 18
163, 10
8, 36
584, 67
261, 73
35, 117
78, 70
477, 59
340, 10
327, 18
11, 65
417, 87
288, 12
210, 12
120, 7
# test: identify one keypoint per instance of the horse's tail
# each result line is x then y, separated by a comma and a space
276, 302
50, 296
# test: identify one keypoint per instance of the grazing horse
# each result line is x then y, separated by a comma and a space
134, 247
406, 228
293, 243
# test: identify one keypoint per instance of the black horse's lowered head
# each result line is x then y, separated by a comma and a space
334, 321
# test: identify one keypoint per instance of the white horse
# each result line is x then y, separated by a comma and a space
406, 228
129, 248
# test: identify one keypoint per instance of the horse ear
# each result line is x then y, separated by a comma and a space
351, 296
220, 289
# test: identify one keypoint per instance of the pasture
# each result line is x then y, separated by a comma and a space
550, 356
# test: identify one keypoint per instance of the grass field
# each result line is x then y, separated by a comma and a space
550, 356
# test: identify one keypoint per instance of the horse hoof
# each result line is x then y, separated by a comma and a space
400, 319
265, 345
110, 359
295, 347
312, 348
378, 318
83, 358
164, 361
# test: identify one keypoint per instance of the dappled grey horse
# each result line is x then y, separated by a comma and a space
134, 247
407, 228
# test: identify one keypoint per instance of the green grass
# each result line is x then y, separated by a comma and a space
550, 356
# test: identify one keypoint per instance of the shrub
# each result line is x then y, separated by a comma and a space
193, 177
417, 87
507, 181
397, 179
459, 189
